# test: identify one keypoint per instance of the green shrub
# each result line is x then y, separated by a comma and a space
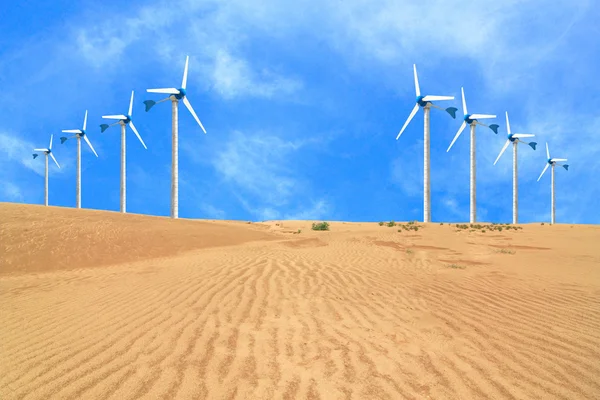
381, 223
391, 224
321, 226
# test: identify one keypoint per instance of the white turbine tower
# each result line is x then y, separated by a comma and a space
552, 162
426, 102
79, 133
175, 95
123, 120
47, 152
472, 121
515, 138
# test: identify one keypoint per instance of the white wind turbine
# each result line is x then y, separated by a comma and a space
79, 133
175, 95
552, 162
426, 102
472, 121
515, 138
47, 152
123, 120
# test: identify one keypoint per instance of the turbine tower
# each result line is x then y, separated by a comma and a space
472, 121
123, 120
175, 95
426, 102
79, 133
553, 162
47, 152
515, 138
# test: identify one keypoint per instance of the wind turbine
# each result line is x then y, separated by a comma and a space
472, 120
515, 138
123, 120
426, 102
552, 162
47, 152
79, 133
175, 95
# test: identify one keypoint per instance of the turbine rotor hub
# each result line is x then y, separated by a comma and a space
181, 94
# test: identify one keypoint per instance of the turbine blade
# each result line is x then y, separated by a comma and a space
547, 151
507, 123
462, 91
523, 135
130, 104
558, 159
56, 162
167, 90
544, 170
431, 97
40, 150
502, 151
50, 147
189, 107
462, 128
71, 130
185, 72
410, 117
137, 134
90, 144
119, 116
417, 88
85, 120
482, 116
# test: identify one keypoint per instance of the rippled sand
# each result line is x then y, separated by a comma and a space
98, 305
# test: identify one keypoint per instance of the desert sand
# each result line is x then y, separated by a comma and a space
100, 305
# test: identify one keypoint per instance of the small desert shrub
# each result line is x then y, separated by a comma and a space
299, 230
456, 266
321, 226
441, 223
542, 223
391, 224
506, 251
381, 223
409, 251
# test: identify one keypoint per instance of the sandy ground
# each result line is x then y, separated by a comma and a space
98, 305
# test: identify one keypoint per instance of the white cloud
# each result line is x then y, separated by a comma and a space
16, 150
260, 169
10, 191
258, 164
234, 78
211, 211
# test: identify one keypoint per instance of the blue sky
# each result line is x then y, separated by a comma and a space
302, 102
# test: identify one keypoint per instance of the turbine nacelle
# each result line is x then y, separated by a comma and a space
47, 152
176, 95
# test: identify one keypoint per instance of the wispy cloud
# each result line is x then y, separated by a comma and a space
18, 151
259, 168
234, 78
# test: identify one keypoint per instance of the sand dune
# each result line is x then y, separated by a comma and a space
228, 310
